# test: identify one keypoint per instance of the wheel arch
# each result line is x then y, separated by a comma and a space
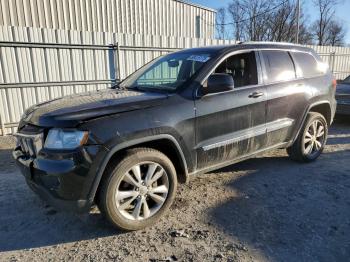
322, 107
166, 144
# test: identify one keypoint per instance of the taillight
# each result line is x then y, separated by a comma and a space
334, 83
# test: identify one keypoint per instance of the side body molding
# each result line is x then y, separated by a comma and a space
130, 143
246, 134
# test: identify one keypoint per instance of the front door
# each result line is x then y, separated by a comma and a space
232, 124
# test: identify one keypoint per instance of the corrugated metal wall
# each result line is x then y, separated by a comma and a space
148, 17
33, 65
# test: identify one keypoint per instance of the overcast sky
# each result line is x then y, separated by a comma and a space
342, 11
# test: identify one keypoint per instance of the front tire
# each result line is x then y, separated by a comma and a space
138, 189
311, 140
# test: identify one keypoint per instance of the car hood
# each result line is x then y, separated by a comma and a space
72, 110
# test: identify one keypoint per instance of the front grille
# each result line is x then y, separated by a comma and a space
30, 144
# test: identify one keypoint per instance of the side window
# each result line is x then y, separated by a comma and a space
242, 67
279, 65
306, 65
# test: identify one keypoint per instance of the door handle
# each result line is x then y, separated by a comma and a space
256, 94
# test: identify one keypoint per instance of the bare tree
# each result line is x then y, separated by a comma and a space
283, 24
335, 34
276, 20
220, 23
267, 20
249, 19
305, 35
236, 12
325, 27
257, 13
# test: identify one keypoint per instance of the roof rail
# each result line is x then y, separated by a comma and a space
270, 43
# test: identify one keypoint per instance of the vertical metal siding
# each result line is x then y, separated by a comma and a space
338, 59
148, 17
33, 65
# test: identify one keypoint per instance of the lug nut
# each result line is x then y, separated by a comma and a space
137, 189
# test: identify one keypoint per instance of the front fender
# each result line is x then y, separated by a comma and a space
126, 144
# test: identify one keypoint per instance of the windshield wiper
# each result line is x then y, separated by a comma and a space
163, 89
117, 86
155, 88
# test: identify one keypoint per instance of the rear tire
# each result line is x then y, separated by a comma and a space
311, 140
137, 190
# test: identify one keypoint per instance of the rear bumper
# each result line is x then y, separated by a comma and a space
64, 180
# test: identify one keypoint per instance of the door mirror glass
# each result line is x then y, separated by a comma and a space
219, 82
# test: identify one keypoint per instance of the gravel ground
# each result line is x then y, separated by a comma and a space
264, 209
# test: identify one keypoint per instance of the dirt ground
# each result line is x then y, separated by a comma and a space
264, 209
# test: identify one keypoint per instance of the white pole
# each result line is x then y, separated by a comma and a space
2, 125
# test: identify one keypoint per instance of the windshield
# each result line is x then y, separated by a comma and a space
167, 73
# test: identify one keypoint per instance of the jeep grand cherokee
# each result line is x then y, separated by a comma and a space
185, 113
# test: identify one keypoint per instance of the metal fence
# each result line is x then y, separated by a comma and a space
339, 64
23, 94
37, 65
338, 59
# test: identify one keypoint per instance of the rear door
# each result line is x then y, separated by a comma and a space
232, 124
287, 96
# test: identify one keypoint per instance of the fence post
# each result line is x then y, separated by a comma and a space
2, 124
118, 62
333, 61
112, 64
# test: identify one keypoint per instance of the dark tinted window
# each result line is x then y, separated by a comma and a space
306, 65
242, 67
279, 66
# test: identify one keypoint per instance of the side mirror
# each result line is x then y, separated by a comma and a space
219, 82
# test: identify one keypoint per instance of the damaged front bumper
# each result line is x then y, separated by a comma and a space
62, 179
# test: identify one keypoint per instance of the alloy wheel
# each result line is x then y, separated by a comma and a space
142, 191
314, 138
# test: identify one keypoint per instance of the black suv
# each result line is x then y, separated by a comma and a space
184, 113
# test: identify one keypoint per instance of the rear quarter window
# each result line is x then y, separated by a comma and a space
306, 65
279, 66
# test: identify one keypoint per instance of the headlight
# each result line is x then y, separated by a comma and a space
65, 139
